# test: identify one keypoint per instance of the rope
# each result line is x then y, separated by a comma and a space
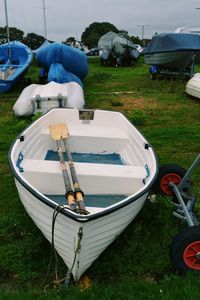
65, 279
53, 250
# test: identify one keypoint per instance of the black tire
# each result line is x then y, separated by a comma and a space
185, 250
167, 174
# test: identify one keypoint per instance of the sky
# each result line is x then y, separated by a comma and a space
70, 18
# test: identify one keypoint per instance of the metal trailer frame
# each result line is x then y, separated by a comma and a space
186, 202
164, 71
185, 247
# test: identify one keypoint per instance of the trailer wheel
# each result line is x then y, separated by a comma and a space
167, 174
185, 250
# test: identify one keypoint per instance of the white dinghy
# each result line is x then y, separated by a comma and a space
193, 86
92, 170
41, 98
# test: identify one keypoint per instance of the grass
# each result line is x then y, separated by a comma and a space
136, 265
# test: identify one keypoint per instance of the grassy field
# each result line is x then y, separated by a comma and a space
136, 265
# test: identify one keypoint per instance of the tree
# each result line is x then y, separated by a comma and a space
15, 34
94, 31
69, 40
33, 40
136, 40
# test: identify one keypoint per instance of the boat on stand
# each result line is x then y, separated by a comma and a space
86, 172
173, 54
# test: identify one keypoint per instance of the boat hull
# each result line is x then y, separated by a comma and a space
193, 86
174, 60
97, 234
41, 98
80, 239
176, 51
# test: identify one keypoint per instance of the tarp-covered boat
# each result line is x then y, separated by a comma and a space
173, 51
15, 58
63, 63
98, 161
45, 43
117, 49
41, 98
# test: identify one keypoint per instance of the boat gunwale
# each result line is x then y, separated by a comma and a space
67, 212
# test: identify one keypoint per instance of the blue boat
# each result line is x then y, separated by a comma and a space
15, 58
63, 63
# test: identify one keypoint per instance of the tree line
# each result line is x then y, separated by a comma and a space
32, 40
89, 37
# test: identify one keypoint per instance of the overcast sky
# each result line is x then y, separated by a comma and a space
66, 18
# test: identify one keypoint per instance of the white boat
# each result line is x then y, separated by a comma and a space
41, 98
188, 29
193, 86
115, 166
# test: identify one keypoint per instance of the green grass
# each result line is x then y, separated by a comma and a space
136, 265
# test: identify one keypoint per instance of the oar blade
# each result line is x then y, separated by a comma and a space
55, 132
58, 131
64, 131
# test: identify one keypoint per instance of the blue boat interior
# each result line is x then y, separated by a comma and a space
13, 60
113, 158
101, 201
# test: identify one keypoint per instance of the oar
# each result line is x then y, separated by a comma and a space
78, 192
56, 135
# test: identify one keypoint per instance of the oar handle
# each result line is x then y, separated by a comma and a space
60, 133
80, 198
71, 199
79, 195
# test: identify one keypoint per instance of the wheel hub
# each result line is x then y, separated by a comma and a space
191, 255
198, 256
165, 181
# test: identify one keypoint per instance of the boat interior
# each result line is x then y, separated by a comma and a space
7, 69
9, 65
110, 164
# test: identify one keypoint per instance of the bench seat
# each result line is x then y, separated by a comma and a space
47, 177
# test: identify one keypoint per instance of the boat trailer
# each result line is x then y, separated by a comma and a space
164, 71
186, 202
185, 247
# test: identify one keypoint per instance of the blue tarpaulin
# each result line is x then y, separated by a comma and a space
73, 61
171, 42
57, 73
